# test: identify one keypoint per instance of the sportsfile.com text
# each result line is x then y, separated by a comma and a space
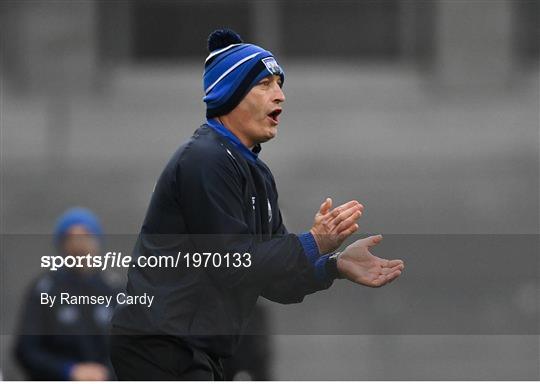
118, 260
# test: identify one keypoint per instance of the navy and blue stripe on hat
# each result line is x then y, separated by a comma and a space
230, 72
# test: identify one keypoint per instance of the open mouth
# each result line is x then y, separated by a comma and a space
274, 115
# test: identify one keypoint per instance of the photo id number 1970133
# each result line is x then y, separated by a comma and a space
217, 260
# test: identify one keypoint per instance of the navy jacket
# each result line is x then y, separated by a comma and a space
215, 195
52, 340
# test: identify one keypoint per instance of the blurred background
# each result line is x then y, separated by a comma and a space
427, 112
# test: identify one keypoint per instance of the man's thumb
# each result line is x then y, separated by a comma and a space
372, 241
325, 206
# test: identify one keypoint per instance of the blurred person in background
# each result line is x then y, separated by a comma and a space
214, 185
67, 342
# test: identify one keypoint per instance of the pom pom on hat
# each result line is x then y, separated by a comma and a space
222, 38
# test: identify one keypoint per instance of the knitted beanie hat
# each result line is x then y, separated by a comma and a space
231, 69
73, 217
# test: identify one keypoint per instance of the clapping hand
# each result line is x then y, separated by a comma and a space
332, 226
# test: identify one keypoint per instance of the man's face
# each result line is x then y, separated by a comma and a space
79, 242
256, 118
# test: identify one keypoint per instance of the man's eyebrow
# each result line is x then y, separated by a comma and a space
270, 78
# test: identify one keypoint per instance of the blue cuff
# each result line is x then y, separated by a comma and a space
320, 268
310, 246
66, 370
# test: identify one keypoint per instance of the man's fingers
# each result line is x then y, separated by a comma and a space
331, 215
345, 224
387, 271
353, 211
349, 231
385, 279
392, 276
328, 217
350, 204
391, 263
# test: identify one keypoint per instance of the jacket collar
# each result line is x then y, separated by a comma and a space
251, 155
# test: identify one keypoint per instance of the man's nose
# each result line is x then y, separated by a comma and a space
279, 95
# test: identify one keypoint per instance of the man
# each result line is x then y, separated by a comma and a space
67, 342
215, 195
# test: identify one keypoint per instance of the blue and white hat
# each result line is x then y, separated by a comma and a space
232, 69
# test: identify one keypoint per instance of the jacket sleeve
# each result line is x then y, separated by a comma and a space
212, 202
31, 349
309, 281
294, 290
